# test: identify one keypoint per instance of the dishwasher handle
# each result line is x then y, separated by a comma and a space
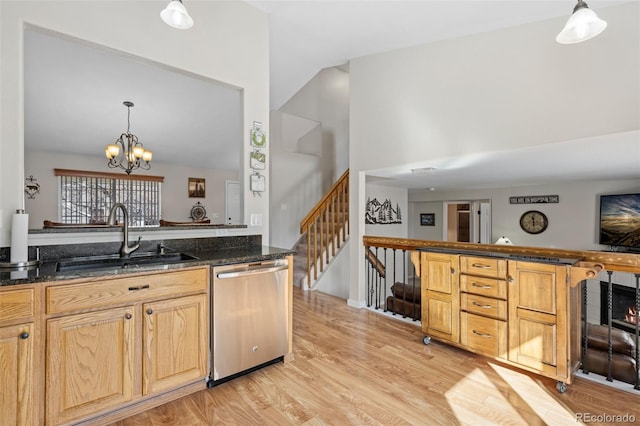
257, 271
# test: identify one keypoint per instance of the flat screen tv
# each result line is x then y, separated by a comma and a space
620, 220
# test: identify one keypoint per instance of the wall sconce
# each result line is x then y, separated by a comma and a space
31, 187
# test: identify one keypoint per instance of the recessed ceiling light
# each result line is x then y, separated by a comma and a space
424, 170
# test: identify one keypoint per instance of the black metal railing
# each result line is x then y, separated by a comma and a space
611, 349
392, 284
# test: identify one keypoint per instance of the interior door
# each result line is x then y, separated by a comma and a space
232, 203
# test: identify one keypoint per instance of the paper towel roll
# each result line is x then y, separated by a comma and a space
19, 237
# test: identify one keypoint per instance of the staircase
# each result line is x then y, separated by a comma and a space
323, 231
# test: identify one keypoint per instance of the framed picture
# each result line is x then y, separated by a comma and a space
196, 188
257, 183
257, 160
258, 136
427, 219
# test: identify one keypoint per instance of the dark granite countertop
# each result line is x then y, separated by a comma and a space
133, 229
46, 270
507, 256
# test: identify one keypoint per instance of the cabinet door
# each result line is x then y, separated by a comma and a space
440, 295
176, 342
537, 317
90, 360
16, 375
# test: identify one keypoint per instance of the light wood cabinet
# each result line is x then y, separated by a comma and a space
175, 342
90, 363
539, 318
18, 348
523, 313
483, 305
106, 350
440, 295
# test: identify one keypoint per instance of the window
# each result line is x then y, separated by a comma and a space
87, 197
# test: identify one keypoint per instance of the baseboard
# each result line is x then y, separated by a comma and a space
356, 303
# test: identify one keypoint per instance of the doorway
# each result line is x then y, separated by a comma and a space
467, 221
232, 202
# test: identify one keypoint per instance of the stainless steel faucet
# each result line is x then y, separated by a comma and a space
125, 249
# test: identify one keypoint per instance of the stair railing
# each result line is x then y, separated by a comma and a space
326, 226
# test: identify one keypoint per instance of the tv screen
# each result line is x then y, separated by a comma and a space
620, 220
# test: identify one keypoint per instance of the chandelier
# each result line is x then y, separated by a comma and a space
126, 152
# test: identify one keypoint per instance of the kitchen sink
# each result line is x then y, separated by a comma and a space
115, 261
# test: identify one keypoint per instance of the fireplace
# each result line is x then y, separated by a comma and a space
623, 299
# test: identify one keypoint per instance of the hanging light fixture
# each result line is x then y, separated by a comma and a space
127, 157
176, 15
582, 25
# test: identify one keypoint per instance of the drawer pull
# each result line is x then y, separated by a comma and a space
24, 335
488, 287
140, 287
477, 333
480, 266
474, 303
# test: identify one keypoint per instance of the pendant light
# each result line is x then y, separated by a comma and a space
126, 152
582, 25
176, 15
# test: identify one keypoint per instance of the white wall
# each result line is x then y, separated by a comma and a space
175, 202
397, 196
573, 222
325, 99
228, 43
419, 232
498, 90
310, 151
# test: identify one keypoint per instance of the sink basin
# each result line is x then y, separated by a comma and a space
114, 261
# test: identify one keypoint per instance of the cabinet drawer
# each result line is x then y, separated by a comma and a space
17, 304
484, 286
483, 335
484, 305
483, 266
125, 290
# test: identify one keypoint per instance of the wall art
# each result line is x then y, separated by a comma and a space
427, 219
196, 188
258, 136
257, 160
382, 213
257, 184
534, 199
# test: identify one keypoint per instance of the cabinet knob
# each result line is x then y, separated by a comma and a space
510, 279
24, 335
149, 311
128, 316
453, 271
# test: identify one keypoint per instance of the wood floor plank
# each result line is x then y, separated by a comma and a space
355, 367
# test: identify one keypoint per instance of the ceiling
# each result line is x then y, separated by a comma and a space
596, 158
306, 36
74, 90
74, 94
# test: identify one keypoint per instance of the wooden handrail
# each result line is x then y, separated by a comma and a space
375, 262
326, 226
315, 211
614, 261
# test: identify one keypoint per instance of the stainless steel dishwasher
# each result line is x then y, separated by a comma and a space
250, 317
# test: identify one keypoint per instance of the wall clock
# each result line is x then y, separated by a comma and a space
534, 222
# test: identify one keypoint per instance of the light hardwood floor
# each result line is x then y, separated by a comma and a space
355, 367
